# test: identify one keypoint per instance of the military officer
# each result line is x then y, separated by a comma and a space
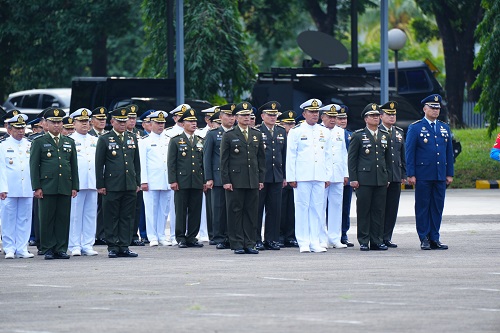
429, 166
339, 177
154, 177
370, 171
185, 175
68, 126
35, 126
341, 121
287, 224
146, 121
211, 166
118, 179
243, 167
98, 122
54, 178
308, 169
215, 120
84, 206
15, 189
398, 165
208, 113
274, 138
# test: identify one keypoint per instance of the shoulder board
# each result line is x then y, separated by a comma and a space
70, 137
38, 137
278, 125
166, 129
442, 122
399, 128
383, 131
2, 139
359, 130
296, 126
176, 135
258, 126
199, 137
230, 130
213, 129
416, 122
258, 130
144, 136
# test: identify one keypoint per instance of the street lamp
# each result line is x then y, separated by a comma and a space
397, 40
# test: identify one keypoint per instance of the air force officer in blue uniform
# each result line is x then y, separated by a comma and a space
429, 162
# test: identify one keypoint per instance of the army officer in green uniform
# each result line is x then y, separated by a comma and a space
118, 173
54, 178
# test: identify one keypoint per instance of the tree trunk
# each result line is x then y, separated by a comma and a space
325, 22
99, 65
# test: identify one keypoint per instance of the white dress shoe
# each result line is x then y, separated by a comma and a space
203, 239
89, 252
174, 242
153, 243
337, 245
25, 255
9, 255
317, 249
164, 242
304, 249
76, 253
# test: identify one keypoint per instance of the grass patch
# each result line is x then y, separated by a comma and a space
474, 162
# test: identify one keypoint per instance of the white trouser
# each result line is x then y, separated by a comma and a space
16, 224
309, 214
171, 218
156, 206
203, 222
333, 195
83, 220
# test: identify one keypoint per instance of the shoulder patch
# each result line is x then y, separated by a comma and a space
258, 130
144, 136
383, 131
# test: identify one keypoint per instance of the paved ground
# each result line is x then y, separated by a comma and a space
206, 290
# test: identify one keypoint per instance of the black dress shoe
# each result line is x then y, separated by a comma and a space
127, 253
259, 246
437, 245
112, 254
291, 243
346, 242
221, 246
137, 242
49, 255
364, 247
212, 242
40, 253
281, 243
194, 244
388, 243
182, 245
32, 243
239, 251
424, 244
378, 247
100, 241
145, 240
249, 250
61, 255
271, 245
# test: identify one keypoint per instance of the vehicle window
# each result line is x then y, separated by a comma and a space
30, 101
417, 80
49, 100
16, 101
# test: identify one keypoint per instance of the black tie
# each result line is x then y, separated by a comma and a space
432, 125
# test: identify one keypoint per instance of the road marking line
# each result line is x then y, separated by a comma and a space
280, 279
380, 284
48, 285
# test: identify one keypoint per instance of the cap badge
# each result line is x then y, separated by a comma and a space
436, 98
217, 110
56, 112
342, 109
314, 103
85, 113
15, 113
374, 107
273, 106
332, 108
391, 105
290, 114
233, 107
192, 112
70, 120
132, 108
20, 119
161, 116
123, 112
183, 108
101, 110
245, 105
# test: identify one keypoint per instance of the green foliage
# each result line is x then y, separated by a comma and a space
154, 14
474, 162
488, 60
425, 30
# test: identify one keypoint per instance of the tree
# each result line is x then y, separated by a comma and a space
488, 59
457, 21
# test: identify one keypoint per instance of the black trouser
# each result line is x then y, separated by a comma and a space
99, 233
242, 210
270, 198
370, 205
119, 215
346, 211
287, 225
35, 224
139, 204
54, 214
219, 219
391, 209
188, 204
209, 214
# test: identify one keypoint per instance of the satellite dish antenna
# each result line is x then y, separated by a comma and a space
322, 47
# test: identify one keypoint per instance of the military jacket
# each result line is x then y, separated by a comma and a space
275, 150
15, 167
85, 151
153, 153
398, 157
369, 159
308, 156
211, 155
243, 163
54, 168
174, 130
93, 132
185, 162
429, 153
117, 164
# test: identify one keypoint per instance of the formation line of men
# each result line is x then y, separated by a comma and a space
277, 184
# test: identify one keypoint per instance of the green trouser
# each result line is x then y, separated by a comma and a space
370, 205
54, 214
119, 217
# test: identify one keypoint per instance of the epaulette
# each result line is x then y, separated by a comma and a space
168, 128
442, 122
231, 129
258, 130
416, 122
144, 136
38, 137
297, 125
176, 135
278, 125
258, 126
399, 128
2, 139
213, 129
383, 131
359, 130
199, 137
70, 138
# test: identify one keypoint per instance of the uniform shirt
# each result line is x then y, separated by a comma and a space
275, 150
429, 153
308, 157
174, 130
15, 167
85, 151
339, 155
153, 155
398, 157
202, 132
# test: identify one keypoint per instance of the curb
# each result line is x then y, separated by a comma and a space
487, 184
